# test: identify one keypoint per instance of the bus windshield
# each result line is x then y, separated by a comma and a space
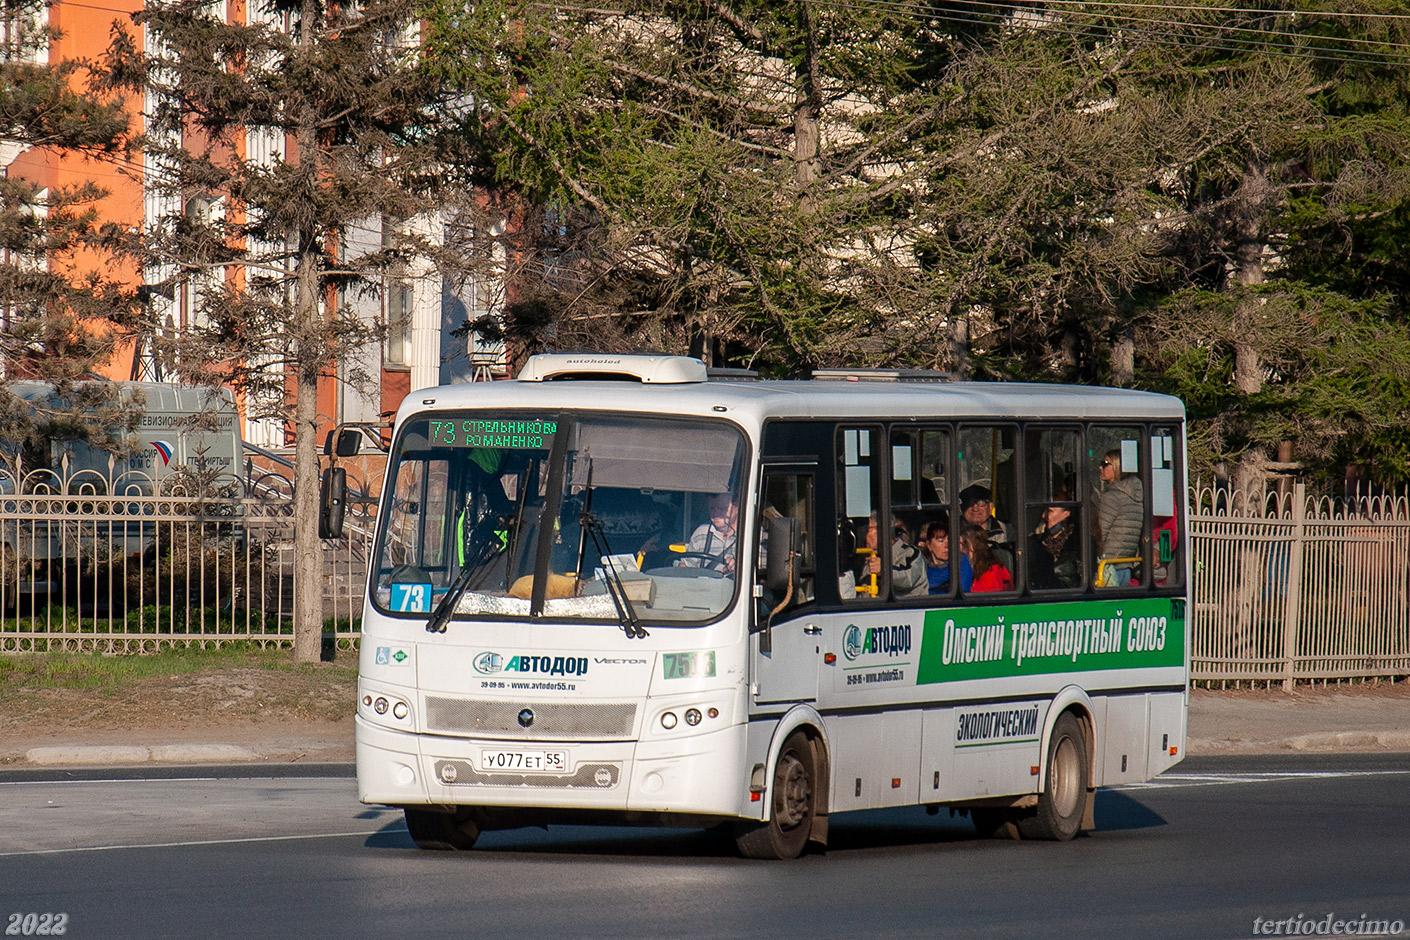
609, 517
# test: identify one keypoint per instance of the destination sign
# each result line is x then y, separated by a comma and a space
502, 434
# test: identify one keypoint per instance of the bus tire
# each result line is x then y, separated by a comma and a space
1058, 816
795, 795
443, 832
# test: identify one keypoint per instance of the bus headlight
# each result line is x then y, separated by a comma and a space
668, 720
385, 708
692, 716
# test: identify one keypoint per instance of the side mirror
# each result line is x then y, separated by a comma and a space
345, 442
332, 503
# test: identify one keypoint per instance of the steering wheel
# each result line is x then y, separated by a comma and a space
709, 558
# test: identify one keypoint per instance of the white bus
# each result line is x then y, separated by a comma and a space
561, 626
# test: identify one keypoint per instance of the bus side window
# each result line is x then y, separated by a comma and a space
1054, 521
858, 505
919, 506
1165, 505
1121, 523
790, 496
986, 461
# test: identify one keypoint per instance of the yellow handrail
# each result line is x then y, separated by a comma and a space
1102, 565
871, 589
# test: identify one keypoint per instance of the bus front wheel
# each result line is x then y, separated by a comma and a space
1058, 815
441, 831
794, 804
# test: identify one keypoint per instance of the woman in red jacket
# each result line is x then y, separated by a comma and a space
989, 574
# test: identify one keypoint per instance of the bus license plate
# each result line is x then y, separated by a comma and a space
524, 760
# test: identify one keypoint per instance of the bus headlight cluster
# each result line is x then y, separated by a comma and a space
693, 717
381, 704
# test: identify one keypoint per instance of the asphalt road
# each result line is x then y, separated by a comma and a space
1199, 853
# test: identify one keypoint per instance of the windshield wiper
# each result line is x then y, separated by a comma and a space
442, 614
626, 614
480, 547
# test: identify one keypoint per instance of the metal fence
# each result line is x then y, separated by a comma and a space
1289, 588
93, 563
1285, 588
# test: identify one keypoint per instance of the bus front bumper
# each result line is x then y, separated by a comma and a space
695, 774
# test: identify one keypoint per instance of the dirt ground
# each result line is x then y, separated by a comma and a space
281, 711
307, 714
1368, 716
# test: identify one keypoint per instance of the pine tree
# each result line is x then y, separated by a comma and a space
338, 99
61, 310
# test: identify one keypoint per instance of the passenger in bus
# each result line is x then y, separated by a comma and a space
711, 545
977, 508
989, 573
935, 545
1120, 519
1054, 556
908, 578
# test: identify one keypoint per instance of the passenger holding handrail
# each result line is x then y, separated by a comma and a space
908, 577
1120, 520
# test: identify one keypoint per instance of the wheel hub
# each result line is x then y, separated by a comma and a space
791, 792
1066, 774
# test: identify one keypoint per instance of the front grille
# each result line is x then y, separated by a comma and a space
459, 773
551, 720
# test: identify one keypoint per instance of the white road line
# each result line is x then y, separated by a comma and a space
1177, 781
177, 845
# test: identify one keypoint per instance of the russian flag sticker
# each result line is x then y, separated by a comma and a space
164, 449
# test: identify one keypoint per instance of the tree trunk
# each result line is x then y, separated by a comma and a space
959, 347
1123, 356
1248, 271
807, 135
308, 548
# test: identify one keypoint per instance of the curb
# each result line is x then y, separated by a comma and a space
1324, 742
103, 754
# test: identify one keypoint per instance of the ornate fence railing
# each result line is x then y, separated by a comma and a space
1293, 588
1285, 588
89, 563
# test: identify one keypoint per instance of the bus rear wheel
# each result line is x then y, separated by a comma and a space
1058, 815
795, 794
444, 832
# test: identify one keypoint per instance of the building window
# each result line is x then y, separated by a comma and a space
399, 302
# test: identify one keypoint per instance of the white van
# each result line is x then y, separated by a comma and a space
180, 426
43, 531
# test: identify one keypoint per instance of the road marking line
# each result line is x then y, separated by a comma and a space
177, 845
1178, 781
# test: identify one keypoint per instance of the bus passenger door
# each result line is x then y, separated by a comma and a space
785, 666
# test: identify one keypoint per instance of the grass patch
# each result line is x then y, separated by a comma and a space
106, 674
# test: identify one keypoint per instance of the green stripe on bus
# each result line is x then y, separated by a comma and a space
1041, 639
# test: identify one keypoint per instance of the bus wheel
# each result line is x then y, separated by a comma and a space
1060, 805
442, 831
795, 794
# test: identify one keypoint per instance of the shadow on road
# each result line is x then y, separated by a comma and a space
1117, 811
872, 829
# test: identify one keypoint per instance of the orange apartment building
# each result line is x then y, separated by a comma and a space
418, 313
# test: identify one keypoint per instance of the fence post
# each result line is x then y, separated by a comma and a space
1292, 613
